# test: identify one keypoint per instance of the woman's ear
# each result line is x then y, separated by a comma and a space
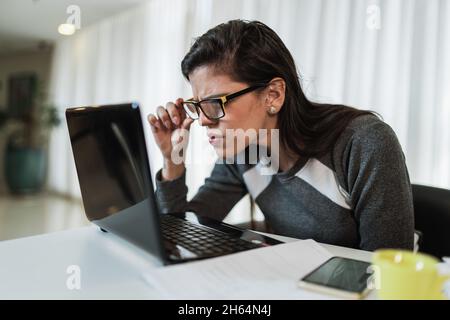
276, 90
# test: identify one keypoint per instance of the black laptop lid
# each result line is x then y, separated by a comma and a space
110, 155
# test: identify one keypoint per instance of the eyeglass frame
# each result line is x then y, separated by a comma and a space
222, 99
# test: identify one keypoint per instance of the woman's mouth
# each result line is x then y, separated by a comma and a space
215, 140
215, 137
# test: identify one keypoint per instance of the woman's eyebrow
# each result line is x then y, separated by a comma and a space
214, 96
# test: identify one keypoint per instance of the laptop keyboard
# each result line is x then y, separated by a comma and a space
201, 241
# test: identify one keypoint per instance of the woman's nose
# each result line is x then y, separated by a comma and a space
204, 121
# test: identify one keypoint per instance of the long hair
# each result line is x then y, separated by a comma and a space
251, 52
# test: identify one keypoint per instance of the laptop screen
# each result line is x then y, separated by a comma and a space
110, 155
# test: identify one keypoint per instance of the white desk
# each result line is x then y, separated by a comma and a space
35, 267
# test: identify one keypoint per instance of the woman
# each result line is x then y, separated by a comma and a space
342, 177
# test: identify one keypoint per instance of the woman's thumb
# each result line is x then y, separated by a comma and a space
187, 123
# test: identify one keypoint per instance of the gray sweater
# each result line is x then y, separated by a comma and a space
358, 195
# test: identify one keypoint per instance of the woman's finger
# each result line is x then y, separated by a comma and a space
164, 117
154, 122
179, 105
174, 113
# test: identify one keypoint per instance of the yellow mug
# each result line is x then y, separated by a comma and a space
401, 274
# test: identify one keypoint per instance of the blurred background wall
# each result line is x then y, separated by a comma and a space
391, 56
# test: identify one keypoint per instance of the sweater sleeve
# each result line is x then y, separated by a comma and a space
379, 188
215, 198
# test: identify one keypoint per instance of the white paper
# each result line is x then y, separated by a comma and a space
267, 273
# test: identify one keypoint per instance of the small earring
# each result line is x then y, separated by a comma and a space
272, 110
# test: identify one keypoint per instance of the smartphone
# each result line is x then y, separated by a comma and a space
342, 277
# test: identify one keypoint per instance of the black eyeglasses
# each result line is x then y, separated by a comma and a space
214, 108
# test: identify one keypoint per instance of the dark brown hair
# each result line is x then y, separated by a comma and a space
251, 52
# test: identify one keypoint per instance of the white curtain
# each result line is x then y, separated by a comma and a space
398, 66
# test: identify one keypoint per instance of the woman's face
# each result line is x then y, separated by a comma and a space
248, 111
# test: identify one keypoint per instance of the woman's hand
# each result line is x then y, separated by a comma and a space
169, 127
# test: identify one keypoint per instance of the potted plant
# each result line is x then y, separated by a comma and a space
27, 142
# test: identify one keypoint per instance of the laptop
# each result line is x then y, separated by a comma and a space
111, 159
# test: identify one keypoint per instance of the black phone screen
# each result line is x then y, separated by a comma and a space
341, 273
